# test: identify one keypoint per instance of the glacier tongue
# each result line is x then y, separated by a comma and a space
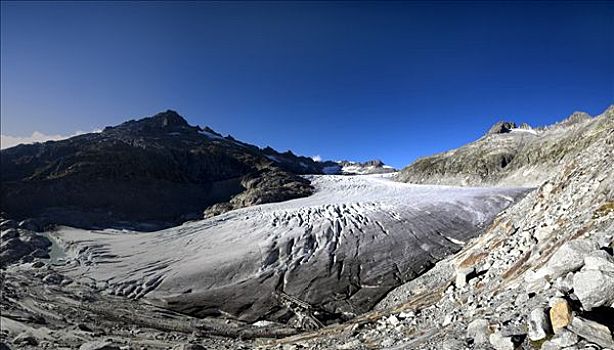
340, 250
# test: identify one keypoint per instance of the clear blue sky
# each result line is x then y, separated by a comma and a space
388, 80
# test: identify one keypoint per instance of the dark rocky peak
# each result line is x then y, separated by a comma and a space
501, 127
168, 119
162, 122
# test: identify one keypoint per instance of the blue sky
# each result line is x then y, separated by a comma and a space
387, 80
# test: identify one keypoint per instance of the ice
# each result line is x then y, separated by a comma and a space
340, 249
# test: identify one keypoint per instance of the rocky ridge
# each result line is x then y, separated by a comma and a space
508, 155
146, 174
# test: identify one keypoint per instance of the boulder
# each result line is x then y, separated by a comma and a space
569, 257
565, 338
462, 276
478, 331
594, 288
560, 315
592, 331
599, 260
501, 342
535, 282
538, 324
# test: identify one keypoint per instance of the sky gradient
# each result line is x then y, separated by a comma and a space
387, 80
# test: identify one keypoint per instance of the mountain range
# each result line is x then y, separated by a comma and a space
149, 174
503, 243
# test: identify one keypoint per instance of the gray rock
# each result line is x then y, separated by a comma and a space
565, 338
501, 342
594, 288
599, 260
539, 326
3, 346
462, 276
479, 331
569, 257
592, 331
549, 345
98, 345
564, 284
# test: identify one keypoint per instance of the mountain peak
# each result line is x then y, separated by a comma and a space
169, 118
501, 127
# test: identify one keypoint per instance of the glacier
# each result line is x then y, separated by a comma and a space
338, 251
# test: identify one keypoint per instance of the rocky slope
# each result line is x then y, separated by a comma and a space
146, 174
510, 155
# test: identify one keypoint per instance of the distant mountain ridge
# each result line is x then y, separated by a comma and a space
508, 155
147, 174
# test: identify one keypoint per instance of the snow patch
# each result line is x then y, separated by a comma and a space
520, 130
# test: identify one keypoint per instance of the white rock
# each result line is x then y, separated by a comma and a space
393, 320
462, 275
569, 257
478, 330
599, 260
536, 282
500, 342
538, 324
404, 315
594, 288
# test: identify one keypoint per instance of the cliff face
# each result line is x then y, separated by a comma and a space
147, 174
507, 155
